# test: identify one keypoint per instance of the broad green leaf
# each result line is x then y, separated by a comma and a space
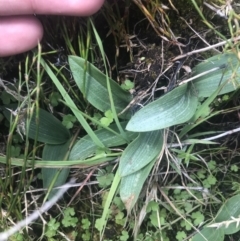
70, 103
176, 107
85, 147
55, 153
50, 129
229, 210
202, 113
140, 152
228, 72
204, 110
209, 234
45, 128
92, 83
131, 186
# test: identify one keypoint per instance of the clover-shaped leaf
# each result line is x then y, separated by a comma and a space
107, 119
186, 225
188, 206
68, 219
234, 168
124, 236
105, 180
211, 180
152, 206
157, 218
68, 121
181, 235
54, 98
52, 228
212, 165
127, 85
15, 151
86, 236
201, 174
119, 218
85, 223
99, 224
198, 218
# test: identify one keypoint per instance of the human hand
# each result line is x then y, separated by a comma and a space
19, 31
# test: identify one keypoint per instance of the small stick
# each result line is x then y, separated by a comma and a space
203, 73
206, 48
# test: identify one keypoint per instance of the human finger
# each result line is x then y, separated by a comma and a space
19, 34
53, 7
